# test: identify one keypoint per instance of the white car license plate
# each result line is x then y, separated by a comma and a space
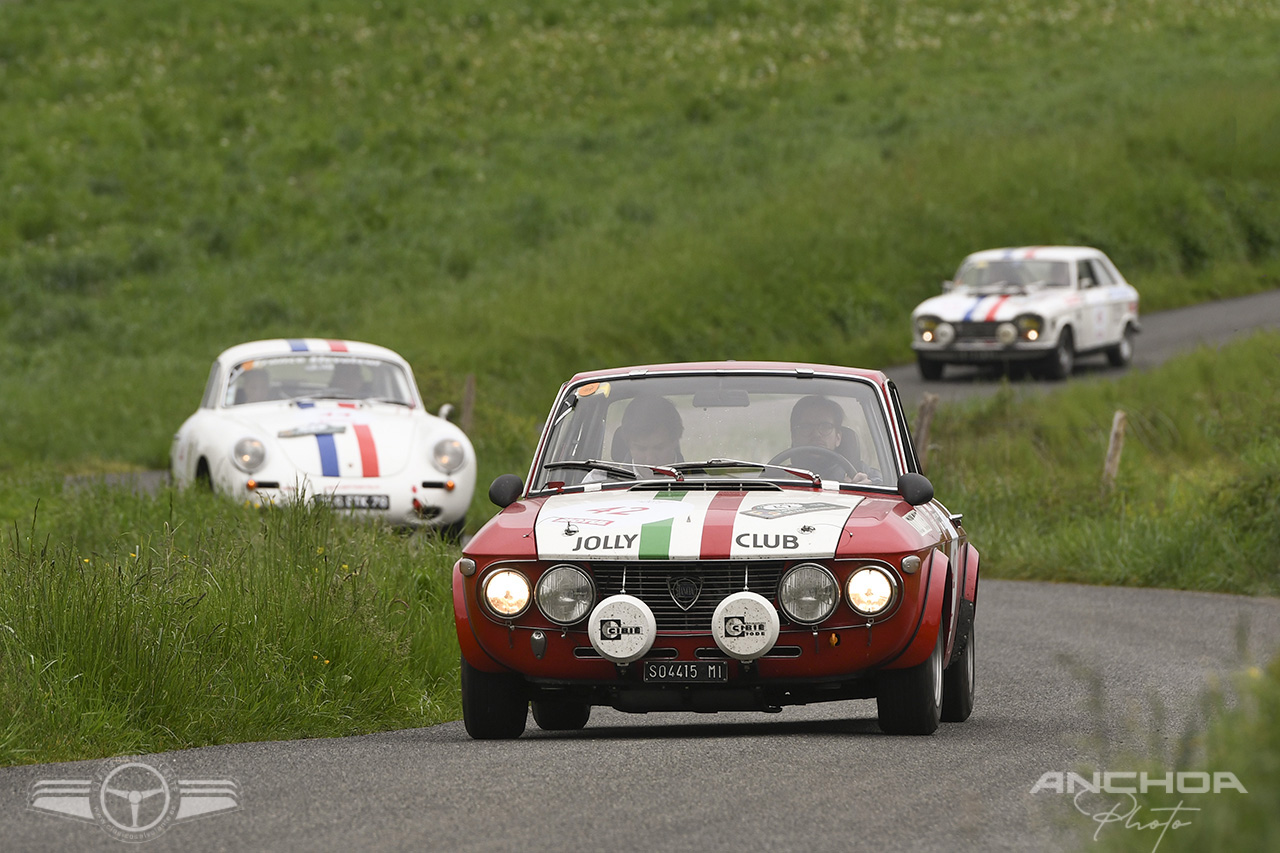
686, 671
356, 501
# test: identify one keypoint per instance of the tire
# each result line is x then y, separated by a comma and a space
204, 480
930, 370
1122, 353
958, 683
909, 701
1062, 361
560, 715
494, 706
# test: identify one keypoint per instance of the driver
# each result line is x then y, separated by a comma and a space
651, 427
816, 422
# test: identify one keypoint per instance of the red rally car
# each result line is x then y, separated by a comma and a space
712, 537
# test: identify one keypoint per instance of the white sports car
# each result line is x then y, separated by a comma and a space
336, 422
1040, 306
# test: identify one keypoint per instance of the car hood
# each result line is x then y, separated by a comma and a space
977, 307
691, 525
330, 439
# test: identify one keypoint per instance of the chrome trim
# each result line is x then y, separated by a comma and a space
783, 607
895, 586
538, 586
483, 585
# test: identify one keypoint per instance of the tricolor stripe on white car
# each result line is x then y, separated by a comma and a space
691, 525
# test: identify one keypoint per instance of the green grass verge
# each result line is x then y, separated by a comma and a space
521, 191
1194, 503
147, 624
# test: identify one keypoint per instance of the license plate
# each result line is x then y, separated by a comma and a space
686, 671
355, 501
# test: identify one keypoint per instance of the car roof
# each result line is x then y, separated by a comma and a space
291, 346
1042, 253
796, 367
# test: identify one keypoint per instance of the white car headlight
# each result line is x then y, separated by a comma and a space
1006, 333
945, 333
565, 594
249, 454
449, 455
870, 590
507, 593
808, 594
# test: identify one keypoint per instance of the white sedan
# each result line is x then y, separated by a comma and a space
336, 422
1040, 306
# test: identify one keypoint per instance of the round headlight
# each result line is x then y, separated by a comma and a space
1006, 333
565, 594
945, 333
249, 454
870, 591
449, 455
507, 593
808, 593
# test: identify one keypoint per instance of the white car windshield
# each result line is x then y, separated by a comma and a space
701, 427
317, 376
984, 275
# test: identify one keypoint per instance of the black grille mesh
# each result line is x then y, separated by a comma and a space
649, 583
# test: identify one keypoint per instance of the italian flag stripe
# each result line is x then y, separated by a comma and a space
655, 537
717, 530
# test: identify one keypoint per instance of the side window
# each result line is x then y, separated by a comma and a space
211, 387
1101, 274
1085, 275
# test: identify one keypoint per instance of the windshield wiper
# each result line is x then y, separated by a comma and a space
715, 464
390, 400
622, 469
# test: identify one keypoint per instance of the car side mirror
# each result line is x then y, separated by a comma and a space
446, 412
914, 488
948, 286
504, 490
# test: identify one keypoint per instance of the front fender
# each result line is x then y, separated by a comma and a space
471, 650
931, 615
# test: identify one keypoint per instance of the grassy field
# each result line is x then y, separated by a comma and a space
523, 190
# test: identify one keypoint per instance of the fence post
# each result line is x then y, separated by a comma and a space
928, 405
468, 402
1114, 448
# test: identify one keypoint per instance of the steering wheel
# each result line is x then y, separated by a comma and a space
824, 452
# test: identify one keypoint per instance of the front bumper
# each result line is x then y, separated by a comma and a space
410, 502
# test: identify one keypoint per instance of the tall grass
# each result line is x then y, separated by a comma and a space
1197, 494
522, 191
181, 620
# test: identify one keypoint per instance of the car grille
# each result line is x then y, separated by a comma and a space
650, 583
975, 331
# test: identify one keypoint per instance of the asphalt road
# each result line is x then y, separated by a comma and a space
820, 778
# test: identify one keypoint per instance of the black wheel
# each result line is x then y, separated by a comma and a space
560, 715
958, 683
1062, 360
909, 701
204, 480
494, 706
930, 370
1122, 353
824, 452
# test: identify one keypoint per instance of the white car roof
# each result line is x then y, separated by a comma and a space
287, 346
1043, 253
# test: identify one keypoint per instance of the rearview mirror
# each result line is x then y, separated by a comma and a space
504, 490
915, 489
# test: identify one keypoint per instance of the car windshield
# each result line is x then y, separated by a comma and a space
317, 376
984, 275
702, 427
